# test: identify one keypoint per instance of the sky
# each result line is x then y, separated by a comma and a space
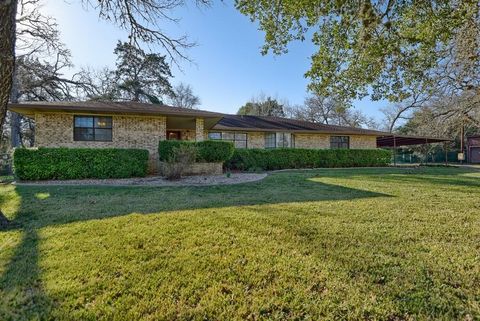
228, 67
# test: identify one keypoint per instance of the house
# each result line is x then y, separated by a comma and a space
139, 125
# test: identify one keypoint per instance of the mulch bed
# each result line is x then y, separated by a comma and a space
200, 180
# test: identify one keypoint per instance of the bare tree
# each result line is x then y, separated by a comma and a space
184, 97
140, 18
41, 60
445, 116
103, 84
327, 110
36, 35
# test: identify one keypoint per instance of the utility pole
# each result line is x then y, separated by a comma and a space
394, 151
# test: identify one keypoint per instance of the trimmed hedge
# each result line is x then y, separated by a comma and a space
166, 147
285, 158
78, 163
207, 151
211, 151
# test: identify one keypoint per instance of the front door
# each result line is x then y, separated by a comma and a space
173, 135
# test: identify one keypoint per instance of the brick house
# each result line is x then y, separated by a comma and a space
139, 125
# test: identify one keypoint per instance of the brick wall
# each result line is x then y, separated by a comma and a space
363, 142
199, 132
314, 141
56, 130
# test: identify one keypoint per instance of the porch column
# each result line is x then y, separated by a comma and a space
199, 129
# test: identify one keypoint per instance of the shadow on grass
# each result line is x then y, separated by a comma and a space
20, 284
21, 288
51, 205
41, 206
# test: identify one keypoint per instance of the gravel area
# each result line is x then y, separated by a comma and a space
236, 178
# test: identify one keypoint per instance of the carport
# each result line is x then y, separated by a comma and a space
395, 141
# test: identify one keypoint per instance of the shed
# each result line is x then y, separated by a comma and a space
473, 149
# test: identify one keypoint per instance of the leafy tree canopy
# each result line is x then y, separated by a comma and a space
262, 106
388, 48
141, 74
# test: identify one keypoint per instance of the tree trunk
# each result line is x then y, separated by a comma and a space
8, 10
15, 134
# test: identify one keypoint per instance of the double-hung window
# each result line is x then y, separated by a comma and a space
92, 128
337, 142
238, 139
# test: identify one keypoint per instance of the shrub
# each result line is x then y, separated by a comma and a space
166, 148
285, 158
182, 156
207, 151
211, 151
78, 163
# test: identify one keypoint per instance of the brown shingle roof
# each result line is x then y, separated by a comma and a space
110, 107
225, 122
263, 123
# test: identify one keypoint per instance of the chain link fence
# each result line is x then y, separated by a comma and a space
418, 157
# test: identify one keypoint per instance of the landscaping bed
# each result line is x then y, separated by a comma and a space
198, 180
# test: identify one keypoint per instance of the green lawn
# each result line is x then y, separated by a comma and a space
373, 244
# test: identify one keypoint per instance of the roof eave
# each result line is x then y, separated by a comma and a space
299, 131
31, 109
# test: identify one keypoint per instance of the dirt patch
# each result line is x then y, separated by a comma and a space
201, 180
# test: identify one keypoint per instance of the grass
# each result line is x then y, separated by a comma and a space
374, 244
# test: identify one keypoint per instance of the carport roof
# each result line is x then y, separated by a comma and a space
404, 140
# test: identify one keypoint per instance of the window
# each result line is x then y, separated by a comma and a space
270, 140
238, 139
278, 140
339, 142
215, 136
90, 128
284, 140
